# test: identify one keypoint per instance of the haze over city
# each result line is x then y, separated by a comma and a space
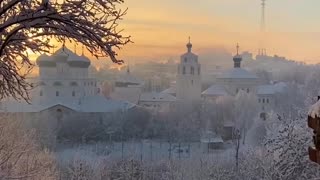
160, 29
159, 90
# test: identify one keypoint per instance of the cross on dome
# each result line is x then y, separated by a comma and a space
238, 48
189, 45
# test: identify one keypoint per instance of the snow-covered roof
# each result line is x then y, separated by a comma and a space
314, 110
215, 90
86, 104
271, 88
237, 73
210, 137
128, 78
99, 104
171, 90
228, 124
157, 97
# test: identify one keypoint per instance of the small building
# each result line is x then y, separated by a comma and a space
157, 102
127, 88
211, 141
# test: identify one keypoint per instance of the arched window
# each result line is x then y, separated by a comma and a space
57, 93
41, 93
192, 70
184, 70
73, 93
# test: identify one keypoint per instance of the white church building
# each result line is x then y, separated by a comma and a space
64, 84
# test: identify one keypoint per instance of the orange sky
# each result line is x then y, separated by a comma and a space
160, 29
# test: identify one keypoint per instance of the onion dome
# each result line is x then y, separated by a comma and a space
78, 61
45, 61
62, 54
189, 46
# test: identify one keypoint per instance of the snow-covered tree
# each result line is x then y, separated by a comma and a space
28, 25
246, 111
20, 156
286, 146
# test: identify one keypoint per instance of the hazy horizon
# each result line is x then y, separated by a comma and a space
160, 29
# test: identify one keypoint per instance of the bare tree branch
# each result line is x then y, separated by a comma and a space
29, 26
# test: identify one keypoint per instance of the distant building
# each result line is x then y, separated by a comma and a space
189, 77
157, 102
230, 82
127, 88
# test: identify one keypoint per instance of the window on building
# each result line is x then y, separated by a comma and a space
184, 70
178, 70
191, 82
198, 70
185, 59
248, 90
57, 83
263, 100
267, 100
73, 93
73, 84
57, 93
192, 70
237, 90
259, 100
41, 93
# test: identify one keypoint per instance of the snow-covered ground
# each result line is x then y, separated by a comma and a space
142, 151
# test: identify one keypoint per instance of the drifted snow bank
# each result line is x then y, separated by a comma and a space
314, 110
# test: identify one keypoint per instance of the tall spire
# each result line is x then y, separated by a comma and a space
189, 45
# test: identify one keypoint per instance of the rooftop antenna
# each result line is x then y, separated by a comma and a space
262, 50
238, 48
263, 17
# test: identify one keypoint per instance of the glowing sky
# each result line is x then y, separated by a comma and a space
160, 28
